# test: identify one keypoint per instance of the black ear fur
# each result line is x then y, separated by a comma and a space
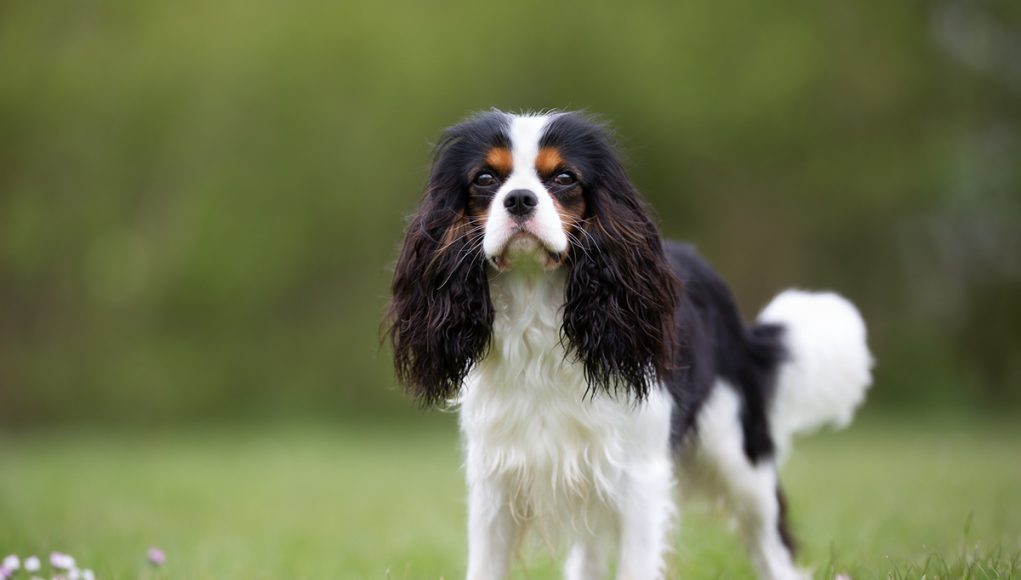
621, 294
440, 316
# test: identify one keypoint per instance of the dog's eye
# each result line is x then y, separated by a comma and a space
485, 179
564, 178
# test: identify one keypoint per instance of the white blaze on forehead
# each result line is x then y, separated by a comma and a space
525, 134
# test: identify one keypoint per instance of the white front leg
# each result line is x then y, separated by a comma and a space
492, 532
587, 560
647, 513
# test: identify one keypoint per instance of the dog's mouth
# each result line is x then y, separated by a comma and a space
526, 249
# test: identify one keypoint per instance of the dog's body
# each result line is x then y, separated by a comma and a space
587, 380
543, 453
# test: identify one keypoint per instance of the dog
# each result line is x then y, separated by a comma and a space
596, 367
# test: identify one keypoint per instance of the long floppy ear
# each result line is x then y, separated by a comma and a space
440, 317
621, 294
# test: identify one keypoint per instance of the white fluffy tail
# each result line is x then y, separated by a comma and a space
828, 368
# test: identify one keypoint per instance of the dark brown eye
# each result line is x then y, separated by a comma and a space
485, 179
565, 178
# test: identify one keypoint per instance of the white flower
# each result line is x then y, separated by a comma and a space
88, 575
74, 574
61, 561
32, 564
11, 563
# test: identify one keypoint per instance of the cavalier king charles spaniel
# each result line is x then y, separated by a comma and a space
596, 367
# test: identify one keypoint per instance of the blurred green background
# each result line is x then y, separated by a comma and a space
199, 201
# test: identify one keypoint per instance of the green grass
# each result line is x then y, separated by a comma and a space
940, 499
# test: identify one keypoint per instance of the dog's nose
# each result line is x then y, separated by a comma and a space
520, 202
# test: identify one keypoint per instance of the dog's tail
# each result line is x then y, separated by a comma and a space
827, 367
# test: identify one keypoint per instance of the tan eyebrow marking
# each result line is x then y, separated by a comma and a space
500, 159
548, 160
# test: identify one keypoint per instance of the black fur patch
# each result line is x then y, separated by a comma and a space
714, 343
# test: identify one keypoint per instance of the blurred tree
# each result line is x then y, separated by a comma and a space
199, 200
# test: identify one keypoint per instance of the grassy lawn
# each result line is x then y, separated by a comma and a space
941, 498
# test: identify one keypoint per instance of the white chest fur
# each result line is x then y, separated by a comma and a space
557, 454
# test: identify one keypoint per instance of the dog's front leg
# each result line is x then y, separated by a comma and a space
492, 531
647, 513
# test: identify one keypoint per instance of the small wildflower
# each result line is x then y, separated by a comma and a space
32, 564
61, 561
88, 575
11, 563
842, 576
5, 572
157, 557
74, 574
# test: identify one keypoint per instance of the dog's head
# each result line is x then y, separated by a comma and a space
540, 192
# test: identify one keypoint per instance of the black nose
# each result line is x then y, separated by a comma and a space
520, 202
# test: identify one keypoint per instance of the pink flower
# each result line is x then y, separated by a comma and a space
11, 563
61, 561
157, 557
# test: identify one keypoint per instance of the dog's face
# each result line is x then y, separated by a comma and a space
517, 192
528, 194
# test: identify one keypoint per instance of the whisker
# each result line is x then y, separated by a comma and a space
578, 244
469, 232
474, 247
